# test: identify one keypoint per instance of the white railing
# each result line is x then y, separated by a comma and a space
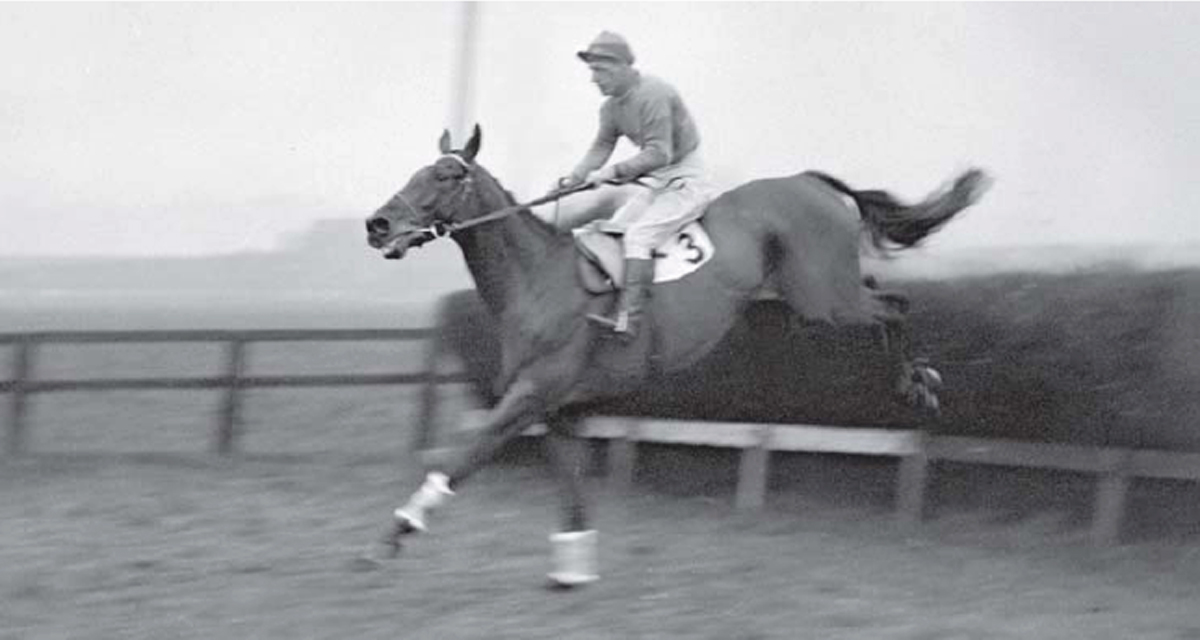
1114, 467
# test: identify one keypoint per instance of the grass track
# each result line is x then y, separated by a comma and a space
197, 547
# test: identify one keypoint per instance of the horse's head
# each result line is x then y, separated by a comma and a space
435, 196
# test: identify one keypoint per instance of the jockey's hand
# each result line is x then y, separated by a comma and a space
568, 181
599, 177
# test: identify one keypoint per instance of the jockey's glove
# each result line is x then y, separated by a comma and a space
566, 182
602, 176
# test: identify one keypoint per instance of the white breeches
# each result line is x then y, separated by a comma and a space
676, 196
647, 213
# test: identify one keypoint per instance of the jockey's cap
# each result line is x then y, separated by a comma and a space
607, 45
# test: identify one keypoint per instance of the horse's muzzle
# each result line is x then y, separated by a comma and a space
378, 230
395, 246
392, 242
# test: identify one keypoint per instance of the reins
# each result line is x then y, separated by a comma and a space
440, 229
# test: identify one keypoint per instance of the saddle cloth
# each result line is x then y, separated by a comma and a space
602, 258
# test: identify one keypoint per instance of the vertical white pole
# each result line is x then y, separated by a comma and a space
462, 94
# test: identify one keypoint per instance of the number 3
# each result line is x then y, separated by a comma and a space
696, 255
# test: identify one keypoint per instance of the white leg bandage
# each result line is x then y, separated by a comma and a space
432, 494
574, 557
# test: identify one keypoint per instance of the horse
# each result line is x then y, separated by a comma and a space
795, 236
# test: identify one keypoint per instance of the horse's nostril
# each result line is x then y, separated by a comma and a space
377, 225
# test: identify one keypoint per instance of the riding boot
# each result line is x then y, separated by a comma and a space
639, 276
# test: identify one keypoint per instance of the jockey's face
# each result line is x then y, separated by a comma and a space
612, 77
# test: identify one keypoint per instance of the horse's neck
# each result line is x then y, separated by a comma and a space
507, 255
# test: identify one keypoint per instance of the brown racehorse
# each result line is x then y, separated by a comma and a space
796, 235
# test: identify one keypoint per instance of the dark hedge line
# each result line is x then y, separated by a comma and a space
1099, 357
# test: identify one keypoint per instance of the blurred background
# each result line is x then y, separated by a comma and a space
233, 149
210, 165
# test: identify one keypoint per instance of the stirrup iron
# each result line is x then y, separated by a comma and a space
619, 325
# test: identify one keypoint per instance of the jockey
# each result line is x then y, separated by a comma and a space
675, 185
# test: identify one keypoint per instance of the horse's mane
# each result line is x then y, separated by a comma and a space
510, 200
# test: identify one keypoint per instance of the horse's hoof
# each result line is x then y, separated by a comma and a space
930, 377
407, 522
926, 400
562, 586
404, 527
392, 548
392, 542
554, 586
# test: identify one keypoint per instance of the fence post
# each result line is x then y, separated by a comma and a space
752, 472
622, 456
910, 485
22, 369
1111, 489
422, 437
231, 407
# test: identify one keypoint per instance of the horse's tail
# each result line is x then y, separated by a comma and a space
893, 224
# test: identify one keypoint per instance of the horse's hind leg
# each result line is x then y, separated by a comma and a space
862, 302
916, 381
574, 546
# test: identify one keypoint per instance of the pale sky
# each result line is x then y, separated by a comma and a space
179, 129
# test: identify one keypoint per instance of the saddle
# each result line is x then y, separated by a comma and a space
601, 260
601, 255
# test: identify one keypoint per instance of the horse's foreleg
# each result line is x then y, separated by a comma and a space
520, 407
574, 546
568, 460
523, 405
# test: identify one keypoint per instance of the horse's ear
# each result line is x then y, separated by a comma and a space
472, 147
444, 142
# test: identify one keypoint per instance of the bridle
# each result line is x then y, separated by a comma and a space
441, 229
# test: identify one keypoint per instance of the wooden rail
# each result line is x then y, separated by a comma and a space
1113, 467
23, 382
